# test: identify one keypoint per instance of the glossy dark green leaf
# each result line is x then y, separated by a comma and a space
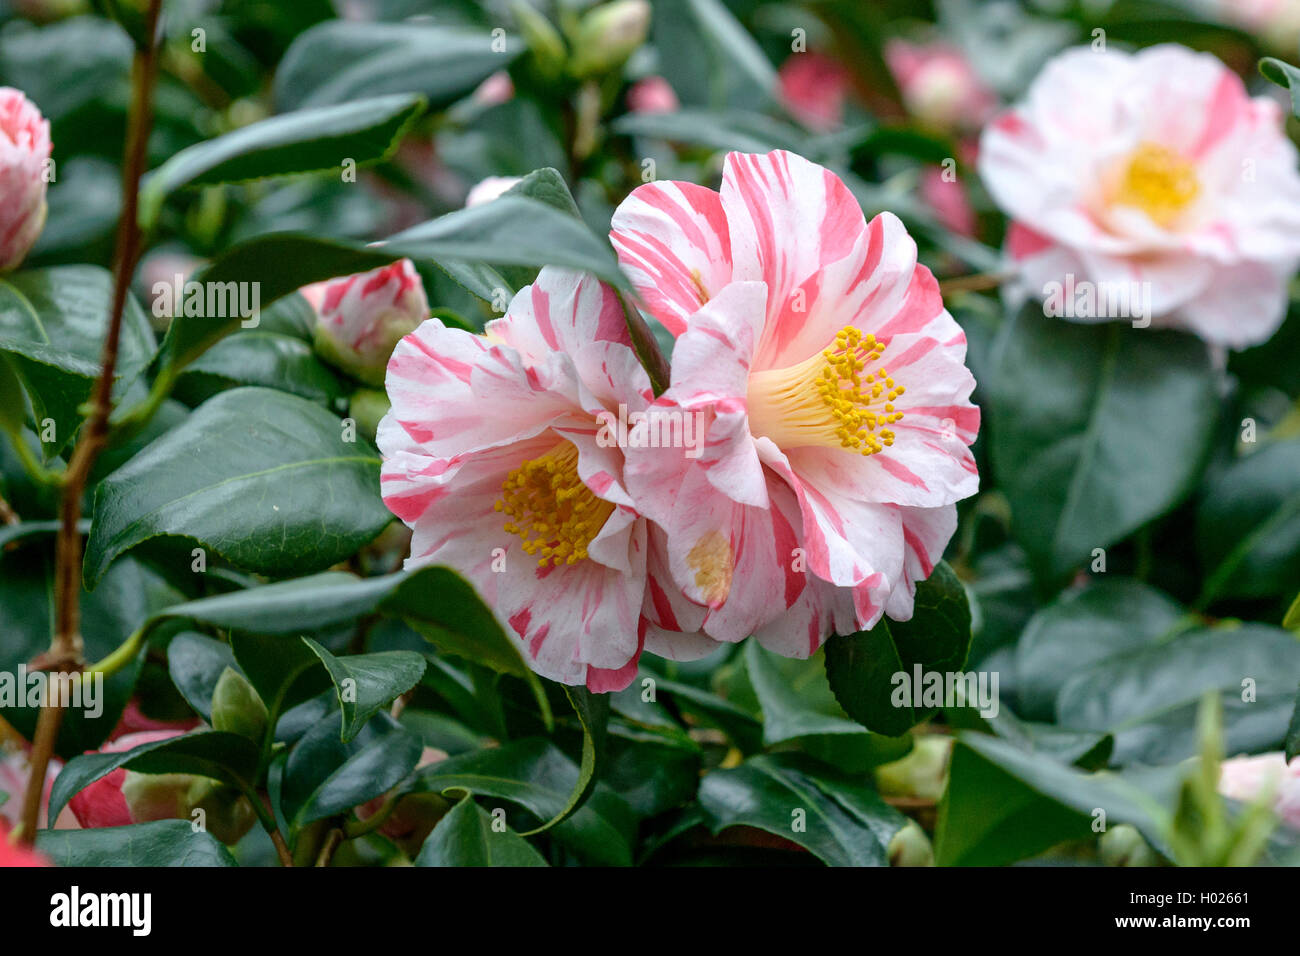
229, 758
1284, 75
1147, 697
160, 843
338, 61
309, 140
861, 667
1005, 804
466, 837
1095, 430
262, 478
841, 821
326, 776
534, 774
795, 696
195, 662
367, 683
1248, 525
267, 359
52, 326
439, 603
593, 714
1082, 628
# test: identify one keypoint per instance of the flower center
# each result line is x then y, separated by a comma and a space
549, 507
830, 399
1159, 182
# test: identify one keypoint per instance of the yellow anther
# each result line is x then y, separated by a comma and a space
548, 506
1158, 181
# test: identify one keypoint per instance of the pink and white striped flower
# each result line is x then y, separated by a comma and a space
24, 155
1156, 169
493, 456
789, 307
361, 317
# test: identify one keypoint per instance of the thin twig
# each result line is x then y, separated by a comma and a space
66, 648
332, 842
973, 283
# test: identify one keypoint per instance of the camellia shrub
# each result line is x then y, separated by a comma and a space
605, 433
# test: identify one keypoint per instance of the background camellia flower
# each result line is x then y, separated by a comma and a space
15, 770
939, 86
833, 387
12, 854
814, 88
124, 797
361, 317
1153, 168
653, 94
492, 455
1245, 778
24, 154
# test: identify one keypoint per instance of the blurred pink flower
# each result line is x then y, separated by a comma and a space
11, 854
653, 94
788, 306
24, 154
949, 200
814, 88
1153, 172
938, 85
15, 771
497, 88
1245, 778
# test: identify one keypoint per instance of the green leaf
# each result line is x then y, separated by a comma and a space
160, 843
1292, 619
840, 821
268, 359
466, 837
366, 683
795, 696
336, 62
262, 478
1248, 525
861, 666
536, 775
326, 776
195, 662
309, 140
593, 714
439, 603
1284, 75
52, 327
228, 758
132, 591
1292, 744
1147, 697
1005, 804
1082, 628
1096, 430
283, 671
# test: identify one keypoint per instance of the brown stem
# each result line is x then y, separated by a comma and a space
973, 283
332, 842
281, 848
66, 648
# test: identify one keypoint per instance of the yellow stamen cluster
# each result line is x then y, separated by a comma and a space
831, 399
1159, 182
552, 511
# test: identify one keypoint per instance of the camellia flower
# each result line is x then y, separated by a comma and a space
362, 316
1244, 778
24, 153
123, 796
493, 455
831, 385
1152, 174
15, 770
938, 85
653, 94
814, 88
1277, 22
11, 854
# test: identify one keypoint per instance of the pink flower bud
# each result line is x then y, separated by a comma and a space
938, 85
363, 316
101, 804
814, 88
24, 153
654, 94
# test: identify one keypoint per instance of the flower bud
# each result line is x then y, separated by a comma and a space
922, 773
939, 86
1123, 845
542, 39
236, 707
366, 408
653, 94
608, 35
911, 847
362, 317
24, 155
